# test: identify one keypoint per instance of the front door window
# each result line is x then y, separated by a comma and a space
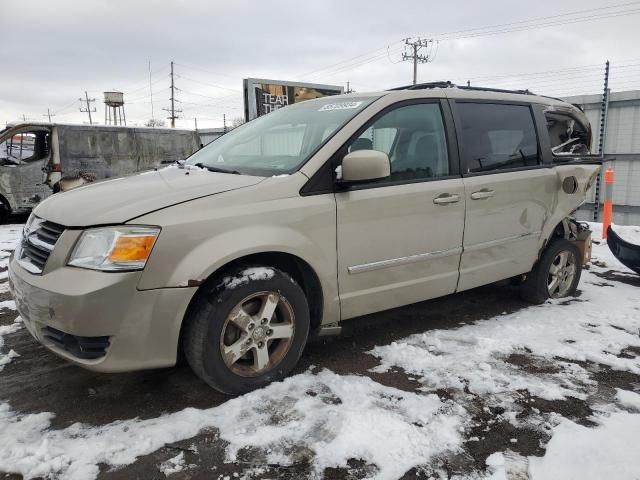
413, 137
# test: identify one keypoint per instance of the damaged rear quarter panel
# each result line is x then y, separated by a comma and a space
566, 203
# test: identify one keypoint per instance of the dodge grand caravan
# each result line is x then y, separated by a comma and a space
311, 215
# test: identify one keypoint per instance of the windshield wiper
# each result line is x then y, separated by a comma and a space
215, 169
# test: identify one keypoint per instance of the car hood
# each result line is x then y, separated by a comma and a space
122, 199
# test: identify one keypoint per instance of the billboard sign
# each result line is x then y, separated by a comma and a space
263, 96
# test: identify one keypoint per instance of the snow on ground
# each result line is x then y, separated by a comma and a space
173, 465
326, 419
9, 236
629, 400
337, 417
595, 327
576, 452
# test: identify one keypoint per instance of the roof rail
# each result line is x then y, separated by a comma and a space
497, 90
423, 86
448, 84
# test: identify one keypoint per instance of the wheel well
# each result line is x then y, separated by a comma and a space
4, 204
561, 230
297, 268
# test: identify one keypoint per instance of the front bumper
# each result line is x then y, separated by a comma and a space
142, 327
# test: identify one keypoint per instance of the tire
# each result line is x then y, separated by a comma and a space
538, 285
233, 315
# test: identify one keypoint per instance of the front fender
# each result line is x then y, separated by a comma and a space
206, 258
200, 237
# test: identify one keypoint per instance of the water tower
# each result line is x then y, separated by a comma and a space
114, 108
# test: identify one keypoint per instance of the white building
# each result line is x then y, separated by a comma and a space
622, 152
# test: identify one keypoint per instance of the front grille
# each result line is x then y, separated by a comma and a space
38, 241
87, 348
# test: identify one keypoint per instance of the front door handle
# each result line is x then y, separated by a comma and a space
446, 198
482, 194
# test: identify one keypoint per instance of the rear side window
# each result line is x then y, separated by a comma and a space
497, 137
567, 136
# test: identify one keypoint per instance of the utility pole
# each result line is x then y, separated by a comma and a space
348, 87
173, 100
412, 53
153, 118
88, 108
173, 112
49, 114
604, 110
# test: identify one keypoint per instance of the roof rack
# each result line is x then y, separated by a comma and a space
423, 86
498, 90
448, 84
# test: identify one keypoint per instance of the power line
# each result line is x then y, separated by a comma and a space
144, 83
530, 24
545, 25
531, 20
66, 107
190, 67
161, 79
201, 95
366, 54
209, 84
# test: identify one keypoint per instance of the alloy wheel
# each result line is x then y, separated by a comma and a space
562, 272
257, 334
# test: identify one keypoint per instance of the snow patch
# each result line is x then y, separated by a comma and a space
580, 453
6, 358
8, 305
252, 273
595, 328
630, 400
173, 465
325, 418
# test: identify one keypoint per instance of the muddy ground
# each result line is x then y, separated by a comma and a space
39, 381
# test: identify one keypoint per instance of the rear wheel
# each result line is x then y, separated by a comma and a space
556, 274
247, 331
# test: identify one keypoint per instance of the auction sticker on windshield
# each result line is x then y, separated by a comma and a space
339, 106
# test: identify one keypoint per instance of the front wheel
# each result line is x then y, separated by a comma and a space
556, 274
248, 330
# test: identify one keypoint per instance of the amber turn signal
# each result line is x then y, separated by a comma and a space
132, 248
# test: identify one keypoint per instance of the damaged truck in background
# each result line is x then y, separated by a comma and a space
39, 159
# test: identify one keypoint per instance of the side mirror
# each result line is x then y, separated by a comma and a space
365, 165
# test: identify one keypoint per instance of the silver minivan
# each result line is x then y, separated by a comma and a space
306, 217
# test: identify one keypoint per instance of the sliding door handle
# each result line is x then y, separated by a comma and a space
446, 198
482, 194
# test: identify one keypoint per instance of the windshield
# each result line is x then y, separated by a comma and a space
279, 142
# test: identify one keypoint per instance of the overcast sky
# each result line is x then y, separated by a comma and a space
52, 51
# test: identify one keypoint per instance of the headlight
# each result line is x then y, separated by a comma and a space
114, 248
